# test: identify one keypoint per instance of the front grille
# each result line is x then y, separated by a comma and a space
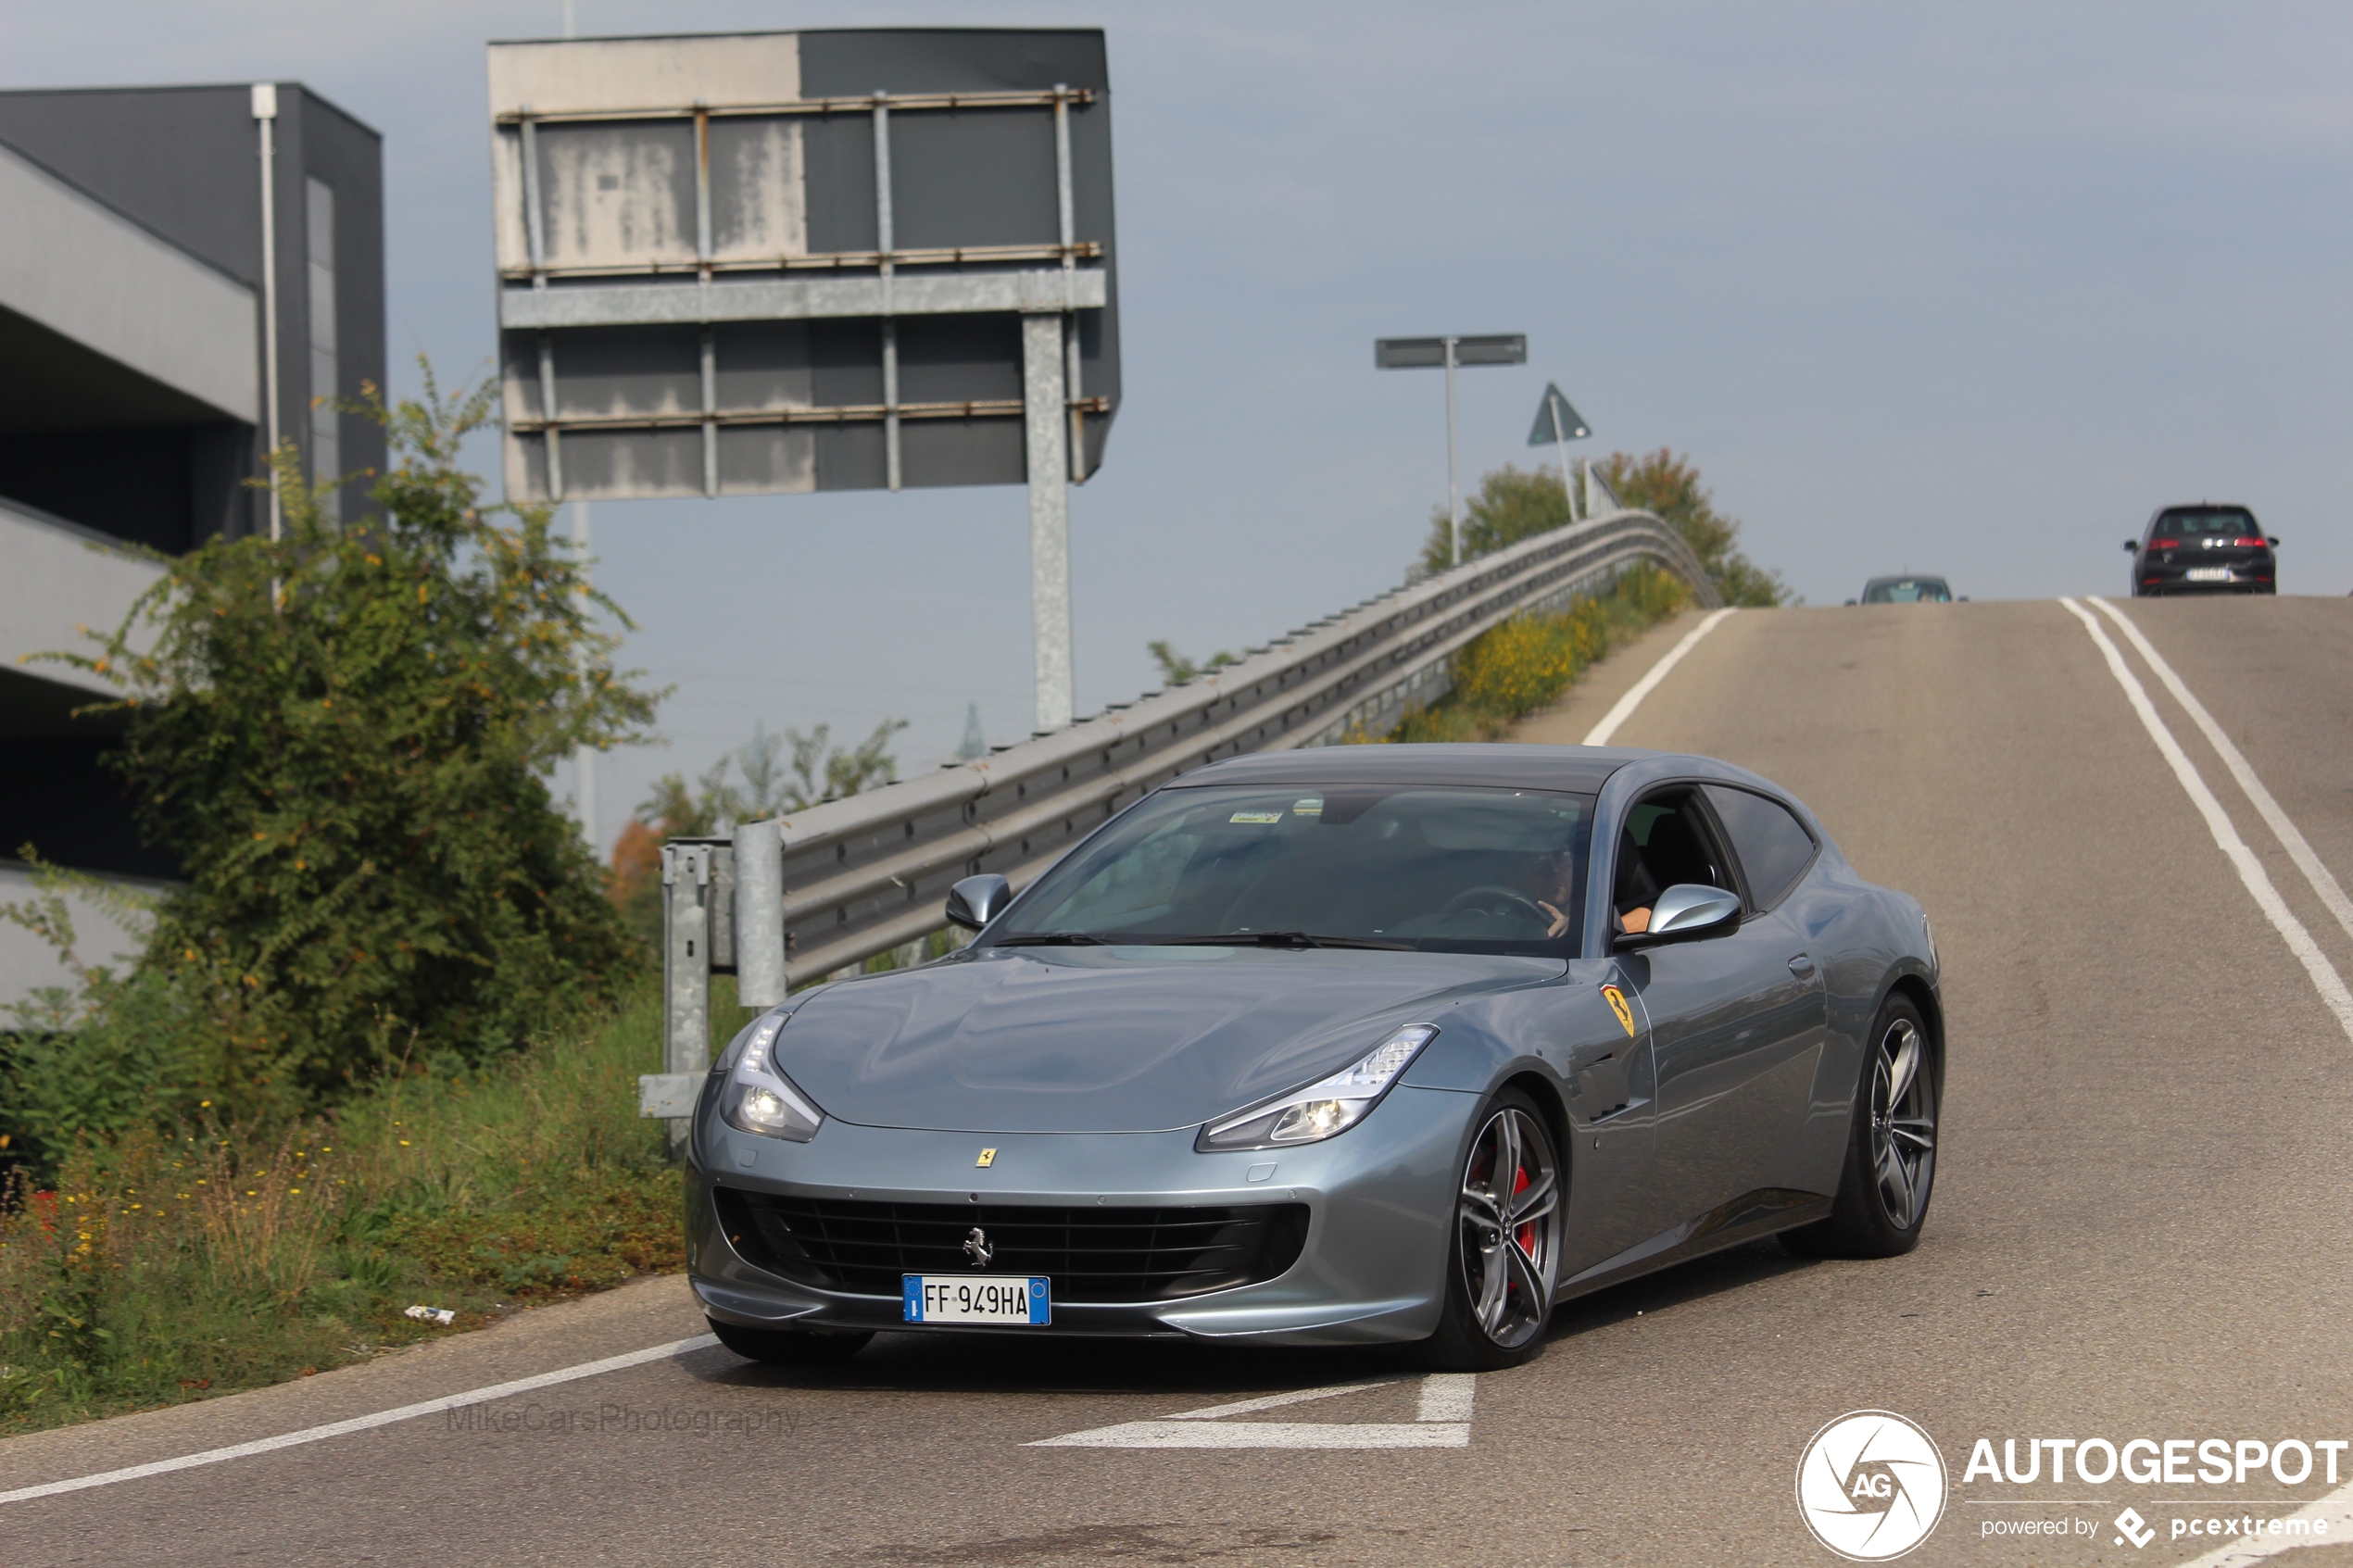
1092, 1253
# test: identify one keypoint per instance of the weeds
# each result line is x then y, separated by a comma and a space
158, 1267
1511, 671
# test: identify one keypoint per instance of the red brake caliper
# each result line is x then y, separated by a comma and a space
1525, 1234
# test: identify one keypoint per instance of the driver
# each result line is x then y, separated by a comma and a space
1553, 884
1636, 890
1556, 885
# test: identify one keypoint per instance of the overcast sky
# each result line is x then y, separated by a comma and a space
1969, 289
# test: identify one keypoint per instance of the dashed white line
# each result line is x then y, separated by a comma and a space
361, 1423
1599, 734
2292, 840
2325, 979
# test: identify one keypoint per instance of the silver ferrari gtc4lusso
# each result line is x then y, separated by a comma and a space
1357, 1045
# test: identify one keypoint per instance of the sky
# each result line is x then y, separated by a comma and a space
1962, 289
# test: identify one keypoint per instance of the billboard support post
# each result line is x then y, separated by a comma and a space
1043, 403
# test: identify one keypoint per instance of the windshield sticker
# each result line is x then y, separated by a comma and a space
1616, 1000
1311, 807
1256, 817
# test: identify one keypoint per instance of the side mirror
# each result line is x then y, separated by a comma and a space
1850, 601
1688, 911
977, 900
2272, 540
2131, 543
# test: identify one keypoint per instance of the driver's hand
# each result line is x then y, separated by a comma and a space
1560, 920
1635, 922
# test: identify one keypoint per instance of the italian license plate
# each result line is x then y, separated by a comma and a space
2210, 574
1007, 1300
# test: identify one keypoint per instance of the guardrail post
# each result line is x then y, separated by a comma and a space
761, 981
685, 968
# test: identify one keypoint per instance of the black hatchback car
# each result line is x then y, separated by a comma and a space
2207, 548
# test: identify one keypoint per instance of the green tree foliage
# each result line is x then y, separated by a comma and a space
1175, 668
766, 785
1668, 484
1511, 504
342, 737
772, 784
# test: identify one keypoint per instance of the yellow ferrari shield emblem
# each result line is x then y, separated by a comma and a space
987, 1158
1616, 1000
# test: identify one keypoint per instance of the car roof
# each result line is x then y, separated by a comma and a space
1577, 769
1904, 577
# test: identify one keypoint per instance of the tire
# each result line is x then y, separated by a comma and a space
788, 1346
1889, 1174
1489, 1319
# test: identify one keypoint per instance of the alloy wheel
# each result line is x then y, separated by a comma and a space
1903, 1122
1509, 1217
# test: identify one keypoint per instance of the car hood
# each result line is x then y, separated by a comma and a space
1113, 1039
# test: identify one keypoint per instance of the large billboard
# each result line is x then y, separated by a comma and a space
769, 262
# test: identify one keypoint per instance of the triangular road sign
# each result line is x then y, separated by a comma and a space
1544, 432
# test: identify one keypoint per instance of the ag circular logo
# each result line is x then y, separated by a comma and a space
1870, 1486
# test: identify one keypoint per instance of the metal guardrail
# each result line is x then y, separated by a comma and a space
869, 873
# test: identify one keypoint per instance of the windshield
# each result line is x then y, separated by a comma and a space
1906, 590
1445, 870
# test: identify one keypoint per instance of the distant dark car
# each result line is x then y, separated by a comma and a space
2207, 548
1907, 591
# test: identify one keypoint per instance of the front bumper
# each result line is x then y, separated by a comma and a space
1380, 1197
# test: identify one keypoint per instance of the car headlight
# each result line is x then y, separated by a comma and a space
759, 1098
1323, 1108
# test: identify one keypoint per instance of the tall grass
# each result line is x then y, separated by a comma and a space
1509, 671
160, 1267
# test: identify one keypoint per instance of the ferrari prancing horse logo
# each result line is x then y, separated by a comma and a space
1616, 1000
987, 1158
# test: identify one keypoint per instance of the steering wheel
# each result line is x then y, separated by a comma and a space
1507, 895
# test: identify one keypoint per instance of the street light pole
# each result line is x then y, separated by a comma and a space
584, 755
1431, 353
1454, 485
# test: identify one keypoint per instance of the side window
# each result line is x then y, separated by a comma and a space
1773, 845
1665, 840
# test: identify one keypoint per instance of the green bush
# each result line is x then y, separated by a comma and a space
342, 736
1509, 671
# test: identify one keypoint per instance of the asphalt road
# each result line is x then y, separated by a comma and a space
2140, 1228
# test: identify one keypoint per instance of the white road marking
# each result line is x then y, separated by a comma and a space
2325, 979
363, 1423
2323, 883
1276, 1401
1599, 734
1446, 1396
1443, 1423
2336, 1507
